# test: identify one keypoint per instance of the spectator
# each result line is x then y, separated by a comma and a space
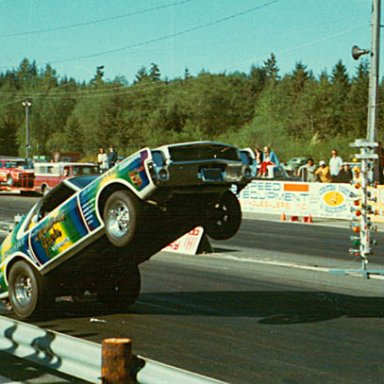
345, 175
307, 171
356, 172
259, 156
102, 160
258, 159
112, 156
323, 172
335, 164
270, 161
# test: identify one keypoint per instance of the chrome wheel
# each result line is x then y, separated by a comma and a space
27, 292
118, 219
121, 217
23, 289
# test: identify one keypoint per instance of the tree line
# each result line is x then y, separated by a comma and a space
298, 113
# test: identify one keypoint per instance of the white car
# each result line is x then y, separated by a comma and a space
294, 163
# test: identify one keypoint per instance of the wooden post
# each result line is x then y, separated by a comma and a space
116, 361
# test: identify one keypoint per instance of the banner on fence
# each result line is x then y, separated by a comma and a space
300, 199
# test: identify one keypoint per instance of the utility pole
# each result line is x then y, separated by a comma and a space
27, 104
373, 84
374, 72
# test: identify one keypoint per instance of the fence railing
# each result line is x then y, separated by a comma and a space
81, 358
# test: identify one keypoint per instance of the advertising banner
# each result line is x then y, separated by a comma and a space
299, 199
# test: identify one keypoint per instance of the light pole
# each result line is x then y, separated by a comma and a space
27, 104
374, 70
373, 85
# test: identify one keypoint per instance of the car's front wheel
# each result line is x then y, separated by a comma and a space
223, 217
121, 217
27, 293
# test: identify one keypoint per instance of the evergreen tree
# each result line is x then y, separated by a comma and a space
141, 75
72, 137
357, 102
154, 72
259, 107
257, 82
271, 69
187, 74
341, 86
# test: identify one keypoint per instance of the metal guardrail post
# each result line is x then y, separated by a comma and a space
116, 361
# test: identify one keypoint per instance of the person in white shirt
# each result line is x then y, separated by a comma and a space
335, 164
102, 160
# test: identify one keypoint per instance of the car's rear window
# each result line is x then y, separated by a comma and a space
79, 170
82, 181
203, 152
18, 164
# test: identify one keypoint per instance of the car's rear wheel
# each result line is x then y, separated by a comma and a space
223, 217
122, 289
121, 217
27, 292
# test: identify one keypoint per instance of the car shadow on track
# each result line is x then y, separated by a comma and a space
269, 307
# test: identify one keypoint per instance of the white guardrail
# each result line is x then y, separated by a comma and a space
80, 358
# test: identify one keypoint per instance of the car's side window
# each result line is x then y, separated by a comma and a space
53, 200
158, 158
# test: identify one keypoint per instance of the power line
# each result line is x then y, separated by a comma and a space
97, 21
296, 48
165, 37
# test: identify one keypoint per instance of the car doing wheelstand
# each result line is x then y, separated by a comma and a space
92, 232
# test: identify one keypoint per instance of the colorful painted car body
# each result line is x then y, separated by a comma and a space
92, 232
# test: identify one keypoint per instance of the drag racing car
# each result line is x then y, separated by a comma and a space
92, 232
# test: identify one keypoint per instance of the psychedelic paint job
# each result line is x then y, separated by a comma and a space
72, 222
70, 218
59, 231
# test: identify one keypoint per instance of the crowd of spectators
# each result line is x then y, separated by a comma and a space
333, 171
105, 160
336, 171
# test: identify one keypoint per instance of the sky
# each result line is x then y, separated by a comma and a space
218, 36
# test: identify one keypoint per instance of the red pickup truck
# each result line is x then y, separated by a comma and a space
16, 174
48, 175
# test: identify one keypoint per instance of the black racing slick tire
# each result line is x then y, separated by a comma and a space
223, 217
121, 217
28, 295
